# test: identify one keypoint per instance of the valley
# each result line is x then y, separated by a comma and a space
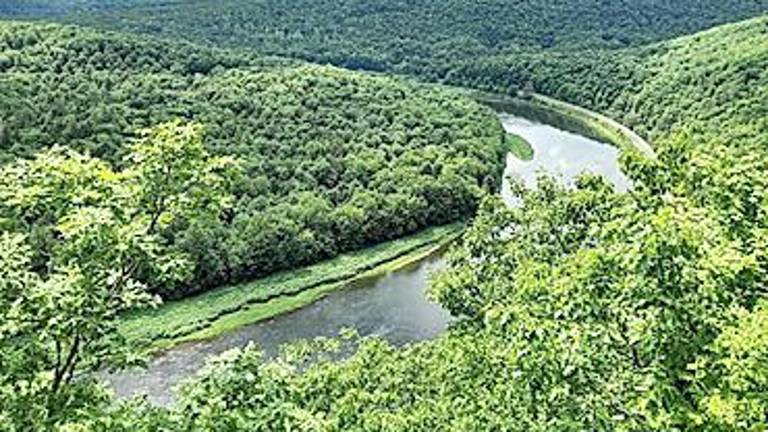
534, 216
388, 302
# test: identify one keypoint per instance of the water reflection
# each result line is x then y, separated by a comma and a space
561, 153
394, 306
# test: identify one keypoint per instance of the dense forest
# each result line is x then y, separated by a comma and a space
655, 88
434, 40
582, 309
331, 160
55, 8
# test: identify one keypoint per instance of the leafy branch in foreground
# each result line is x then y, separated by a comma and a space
81, 243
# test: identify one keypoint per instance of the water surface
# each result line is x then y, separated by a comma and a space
394, 306
563, 154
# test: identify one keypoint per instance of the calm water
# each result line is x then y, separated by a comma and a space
564, 154
394, 306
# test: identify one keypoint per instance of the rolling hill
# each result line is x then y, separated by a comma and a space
332, 160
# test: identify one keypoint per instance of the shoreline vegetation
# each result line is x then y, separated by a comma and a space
601, 125
225, 309
519, 147
156, 149
228, 308
330, 160
567, 116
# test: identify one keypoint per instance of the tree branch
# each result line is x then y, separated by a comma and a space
65, 368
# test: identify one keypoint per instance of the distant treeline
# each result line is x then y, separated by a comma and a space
54, 8
451, 40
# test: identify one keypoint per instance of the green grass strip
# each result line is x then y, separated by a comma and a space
228, 308
285, 304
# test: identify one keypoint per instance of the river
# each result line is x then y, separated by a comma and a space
393, 306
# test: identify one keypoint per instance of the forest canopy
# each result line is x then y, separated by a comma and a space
427, 38
332, 160
582, 309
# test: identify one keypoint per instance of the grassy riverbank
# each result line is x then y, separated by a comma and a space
218, 311
566, 116
225, 309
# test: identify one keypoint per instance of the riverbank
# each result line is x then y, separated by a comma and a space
385, 300
225, 309
567, 116
221, 310
612, 130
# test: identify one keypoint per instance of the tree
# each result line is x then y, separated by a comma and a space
82, 243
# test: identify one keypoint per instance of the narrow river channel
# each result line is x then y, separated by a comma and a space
394, 306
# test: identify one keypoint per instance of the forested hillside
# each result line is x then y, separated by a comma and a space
331, 160
54, 8
34, 8
432, 39
714, 77
584, 309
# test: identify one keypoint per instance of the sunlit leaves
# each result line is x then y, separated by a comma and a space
732, 379
85, 242
172, 175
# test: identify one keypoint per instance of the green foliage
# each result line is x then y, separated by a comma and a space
583, 309
519, 147
733, 377
711, 78
332, 161
182, 319
434, 40
52, 8
80, 244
